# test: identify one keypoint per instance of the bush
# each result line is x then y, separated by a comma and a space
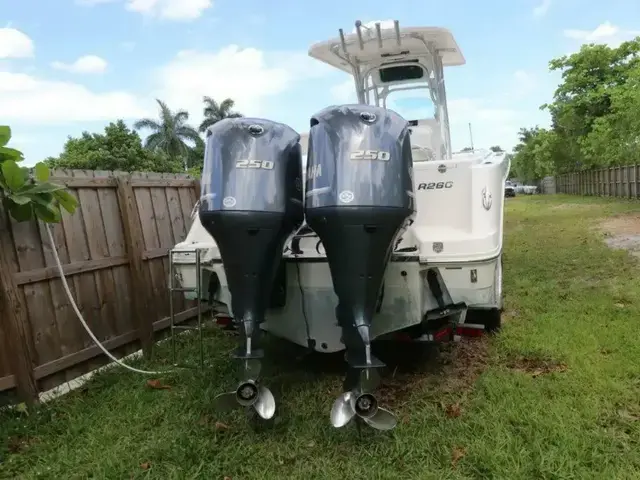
27, 193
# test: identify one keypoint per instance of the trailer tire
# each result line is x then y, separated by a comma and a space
490, 318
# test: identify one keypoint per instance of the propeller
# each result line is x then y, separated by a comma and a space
363, 405
249, 393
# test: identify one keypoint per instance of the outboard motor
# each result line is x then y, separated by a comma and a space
359, 196
251, 203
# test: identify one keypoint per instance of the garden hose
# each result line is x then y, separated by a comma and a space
81, 318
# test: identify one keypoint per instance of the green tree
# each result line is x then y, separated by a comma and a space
614, 138
170, 135
27, 194
195, 158
593, 113
496, 148
214, 112
587, 79
118, 148
535, 154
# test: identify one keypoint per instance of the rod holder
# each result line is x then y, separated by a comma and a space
379, 34
342, 42
359, 32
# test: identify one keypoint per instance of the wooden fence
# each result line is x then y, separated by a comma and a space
612, 182
114, 251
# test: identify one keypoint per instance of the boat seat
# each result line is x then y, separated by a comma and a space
426, 140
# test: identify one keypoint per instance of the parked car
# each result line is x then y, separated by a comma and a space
524, 189
509, 189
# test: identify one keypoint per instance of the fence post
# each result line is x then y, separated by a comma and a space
14, 322
196, 188
143, 310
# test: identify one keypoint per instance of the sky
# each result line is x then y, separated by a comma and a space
68, 66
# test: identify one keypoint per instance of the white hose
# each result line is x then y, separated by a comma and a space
84, 323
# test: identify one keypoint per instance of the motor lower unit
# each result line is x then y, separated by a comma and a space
359, 196
251, 203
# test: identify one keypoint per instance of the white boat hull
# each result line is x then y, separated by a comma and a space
406, 298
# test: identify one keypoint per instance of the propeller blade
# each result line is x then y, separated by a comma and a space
382, 420
342, 412
265, 404
225, 401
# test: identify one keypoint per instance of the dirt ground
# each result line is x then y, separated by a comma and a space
573, 207
623, 232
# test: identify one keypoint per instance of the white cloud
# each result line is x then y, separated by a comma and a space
85, 64
179, 10
15, 44
248, 76
251, 77
605, 33
27, 99
524, 83
465, 110
541, 9
491, 125
183, 10
344, 92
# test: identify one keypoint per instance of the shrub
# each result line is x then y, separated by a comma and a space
27, 193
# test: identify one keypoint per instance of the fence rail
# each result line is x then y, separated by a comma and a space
114, 251
612, 181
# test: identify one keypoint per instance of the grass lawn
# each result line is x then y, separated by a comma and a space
556, 395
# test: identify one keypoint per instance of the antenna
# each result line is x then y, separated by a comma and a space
471, 136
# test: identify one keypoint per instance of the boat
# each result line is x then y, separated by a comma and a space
365, 228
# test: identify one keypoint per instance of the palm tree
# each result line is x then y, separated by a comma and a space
214, 112
170, 134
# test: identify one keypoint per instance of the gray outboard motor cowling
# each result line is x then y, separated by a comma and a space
251, 203
359, 196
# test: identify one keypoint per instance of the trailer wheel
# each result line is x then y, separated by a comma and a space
490, 318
